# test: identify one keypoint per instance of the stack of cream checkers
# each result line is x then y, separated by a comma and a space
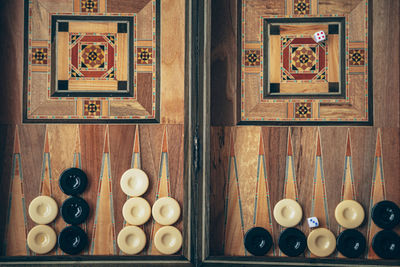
136, 211
42, 238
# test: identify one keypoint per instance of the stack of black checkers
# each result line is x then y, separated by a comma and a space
386, 243
74, 211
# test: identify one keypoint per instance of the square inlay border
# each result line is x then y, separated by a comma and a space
121, 88
336, 90
141, 104
355, 108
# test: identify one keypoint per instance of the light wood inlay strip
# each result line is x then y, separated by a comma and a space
92, 27
333, 58
275, 59
62, 56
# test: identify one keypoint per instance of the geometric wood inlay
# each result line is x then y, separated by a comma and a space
378, 193
281, 65
163, 188
234, 227
16, 226
87, 51
263, 214
103, 231
319, 206
348, 189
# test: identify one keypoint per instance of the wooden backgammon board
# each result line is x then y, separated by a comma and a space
200, 133
298, 126
99, 94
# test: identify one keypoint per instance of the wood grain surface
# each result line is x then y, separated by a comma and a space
41, 152
172, 61
317, 166
34, 155
319, 155
257, 105
223, 62
252, 167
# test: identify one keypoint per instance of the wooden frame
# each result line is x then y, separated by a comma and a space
197, 167
212, 62
188, 211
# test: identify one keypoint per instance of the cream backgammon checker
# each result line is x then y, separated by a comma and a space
166, 211
349, 214
41, 239
43, 210
131, 240
134, 182
321, 242
168, 240
136, 211
288, 212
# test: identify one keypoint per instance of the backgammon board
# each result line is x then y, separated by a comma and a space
103, 87
293, 118
233, 108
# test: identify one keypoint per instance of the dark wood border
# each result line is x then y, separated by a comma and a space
294, 261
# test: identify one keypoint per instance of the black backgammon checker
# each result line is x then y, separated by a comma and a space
73, 181
386, 244
292, 242
351, 243
258, 241
72, 240
75, 210
386, 214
